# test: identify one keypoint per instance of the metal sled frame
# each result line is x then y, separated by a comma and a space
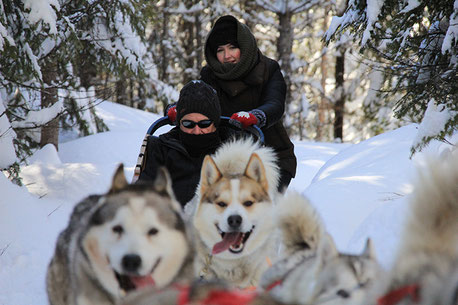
254, 130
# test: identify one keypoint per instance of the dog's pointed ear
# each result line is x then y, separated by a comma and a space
163, 185
327, 249
209, 174
369, 250
119, 180
256, 171
163, 182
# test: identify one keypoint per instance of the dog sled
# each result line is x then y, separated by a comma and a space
253, 130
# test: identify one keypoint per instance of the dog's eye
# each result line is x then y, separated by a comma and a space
303, 245
248, 203
118, 229
343, 293
153, 231
221, 204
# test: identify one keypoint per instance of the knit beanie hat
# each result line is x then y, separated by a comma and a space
224, 31
199, 97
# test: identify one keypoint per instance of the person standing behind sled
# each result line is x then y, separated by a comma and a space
250, 86
182, 149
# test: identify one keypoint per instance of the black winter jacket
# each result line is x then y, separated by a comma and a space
262, 88
184, 169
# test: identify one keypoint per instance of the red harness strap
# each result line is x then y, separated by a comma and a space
394, 296
219, 297
183, 297
273, 285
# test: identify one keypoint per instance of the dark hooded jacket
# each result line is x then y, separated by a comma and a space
184, 169
255, 82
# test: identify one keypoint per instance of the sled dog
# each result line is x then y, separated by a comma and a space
313, 271
233, 213
134, 236
425, 269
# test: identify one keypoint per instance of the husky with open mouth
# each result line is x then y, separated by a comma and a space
132, 237
233, 213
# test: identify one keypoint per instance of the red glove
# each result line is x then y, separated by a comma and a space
243, 119
172, 113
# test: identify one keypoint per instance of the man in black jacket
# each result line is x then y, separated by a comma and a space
182, 149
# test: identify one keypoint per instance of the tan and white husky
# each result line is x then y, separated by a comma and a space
233, 213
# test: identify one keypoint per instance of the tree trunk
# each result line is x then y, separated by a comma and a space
250, 8
50, 131
87, 68
131, 93
323, 102
121, 90
340, 94
189, 56
163, 75
284, 49
199, 44
141, 95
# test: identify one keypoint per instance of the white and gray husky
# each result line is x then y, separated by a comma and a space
425, 269
312, 270
134, 236
233, 213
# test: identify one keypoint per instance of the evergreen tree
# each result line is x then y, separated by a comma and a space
49, 49
416, 43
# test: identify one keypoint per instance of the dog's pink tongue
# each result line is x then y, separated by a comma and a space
142, 281
229, 239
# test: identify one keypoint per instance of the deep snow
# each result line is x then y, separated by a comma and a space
360, 190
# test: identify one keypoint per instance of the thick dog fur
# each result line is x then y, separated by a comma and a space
236, 195
131, 237
313, 271
428, 255
301, 226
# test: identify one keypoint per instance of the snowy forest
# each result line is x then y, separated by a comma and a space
353, 69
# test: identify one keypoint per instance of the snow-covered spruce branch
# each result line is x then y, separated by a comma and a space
267, 5
29, 125
6, 131
305, 6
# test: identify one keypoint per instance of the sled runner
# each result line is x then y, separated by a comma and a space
253, 130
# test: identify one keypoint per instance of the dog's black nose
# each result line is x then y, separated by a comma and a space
131, 262
234, 221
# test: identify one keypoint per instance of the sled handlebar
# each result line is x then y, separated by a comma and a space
253, 129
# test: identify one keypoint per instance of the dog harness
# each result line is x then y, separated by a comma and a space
220, 297
395, 296
208, 261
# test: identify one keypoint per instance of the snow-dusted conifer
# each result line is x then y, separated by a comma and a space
416, 43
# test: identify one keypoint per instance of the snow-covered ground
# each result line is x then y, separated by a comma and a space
361, 191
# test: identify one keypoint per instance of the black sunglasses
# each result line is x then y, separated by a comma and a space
191, 124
